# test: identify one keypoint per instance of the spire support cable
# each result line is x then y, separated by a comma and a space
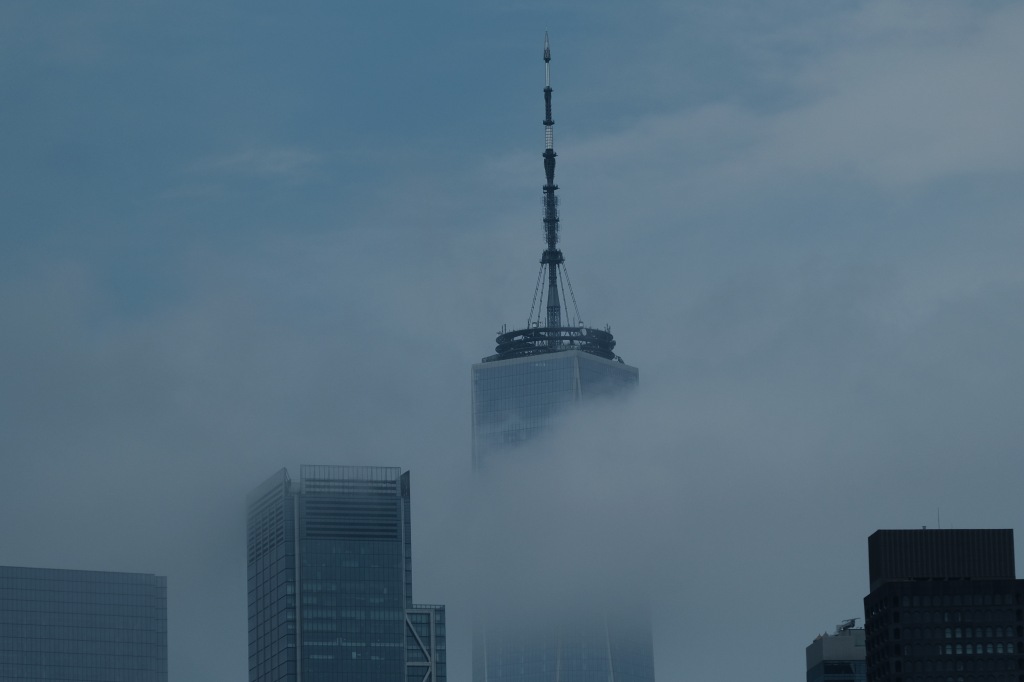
536, 291
552, 337
562, 279
572, 295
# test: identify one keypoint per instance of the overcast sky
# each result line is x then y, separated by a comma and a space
240, 236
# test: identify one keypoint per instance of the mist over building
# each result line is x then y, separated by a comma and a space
944, 605
519, 393
60, 624
330, 581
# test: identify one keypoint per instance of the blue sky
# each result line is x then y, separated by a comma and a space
240, 236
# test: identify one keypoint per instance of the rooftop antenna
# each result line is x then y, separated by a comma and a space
546, 333
552, 257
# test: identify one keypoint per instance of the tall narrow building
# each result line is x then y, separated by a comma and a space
945, 605
554, 362
330, 581
60, 624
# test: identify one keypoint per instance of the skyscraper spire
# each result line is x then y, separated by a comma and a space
552, 257
553, 334
521, 394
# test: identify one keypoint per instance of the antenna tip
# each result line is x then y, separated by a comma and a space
547, 48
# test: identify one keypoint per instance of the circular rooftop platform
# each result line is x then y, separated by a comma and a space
522, 343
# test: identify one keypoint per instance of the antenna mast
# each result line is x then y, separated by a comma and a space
551, 337
552, 256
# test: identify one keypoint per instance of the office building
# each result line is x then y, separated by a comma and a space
839, 656
58, 624
330, 581
516, 398
535, 374
945, 605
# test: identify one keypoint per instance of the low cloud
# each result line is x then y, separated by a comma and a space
292, 163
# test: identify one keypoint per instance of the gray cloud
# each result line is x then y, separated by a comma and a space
287, 162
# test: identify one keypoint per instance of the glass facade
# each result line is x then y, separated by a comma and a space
95, 626
330, 580
596, 646
513, 401
425, 644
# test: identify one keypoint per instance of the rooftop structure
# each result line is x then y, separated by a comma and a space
944, 605
838, 656
554, 332
937, 554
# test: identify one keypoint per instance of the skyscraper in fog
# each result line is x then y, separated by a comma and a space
330, 581
518, 394
58, 624
536, 373
945, 605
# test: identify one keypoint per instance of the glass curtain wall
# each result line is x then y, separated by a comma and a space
330, 578
58, 624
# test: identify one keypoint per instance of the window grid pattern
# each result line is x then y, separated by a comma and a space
426, 649
516, 400
271, 586
332, 601
353, 610
594, 648
838, 671
92, 626
934, 630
